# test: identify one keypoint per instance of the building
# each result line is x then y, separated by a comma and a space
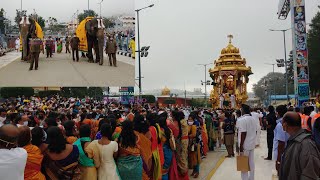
168, 99
124, 23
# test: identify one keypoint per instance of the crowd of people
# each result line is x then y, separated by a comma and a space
70, 138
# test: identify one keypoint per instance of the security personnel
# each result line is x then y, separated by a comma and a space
306, 119
34, 51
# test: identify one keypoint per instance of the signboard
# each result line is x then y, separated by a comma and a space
283, 9
126, 94
300, 51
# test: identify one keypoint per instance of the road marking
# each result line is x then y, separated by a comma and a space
222, 158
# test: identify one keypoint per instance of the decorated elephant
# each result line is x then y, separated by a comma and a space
27, 27
95, 39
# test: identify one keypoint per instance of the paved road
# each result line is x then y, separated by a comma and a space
62, 71
263, 169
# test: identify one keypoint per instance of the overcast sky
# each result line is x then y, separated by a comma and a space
63, 10
184, 33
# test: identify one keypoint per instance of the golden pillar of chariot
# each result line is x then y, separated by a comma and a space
230, 76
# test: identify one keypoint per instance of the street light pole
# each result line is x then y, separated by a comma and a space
100, 8
205, 81
285, 63
139, 50
139, 58
88, 6
274, 83
21, 6
285, 58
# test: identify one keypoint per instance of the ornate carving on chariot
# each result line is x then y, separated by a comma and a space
230, 76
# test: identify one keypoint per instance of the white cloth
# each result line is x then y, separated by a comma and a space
312, 114
233, 101
17, 42
108, 168
13, 163
256, 117
245, 175
221, 99
238, 124
249, 125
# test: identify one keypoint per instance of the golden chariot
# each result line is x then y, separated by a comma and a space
230, 76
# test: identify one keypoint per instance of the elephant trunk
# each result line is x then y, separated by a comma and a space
100, 36
25, 48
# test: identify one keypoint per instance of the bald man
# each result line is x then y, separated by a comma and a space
301, 158
13, 160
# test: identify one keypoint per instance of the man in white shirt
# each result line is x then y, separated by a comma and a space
3, 116
248, 130
257, 117
12, 160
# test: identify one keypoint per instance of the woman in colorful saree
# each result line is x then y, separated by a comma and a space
103, 152
129, 161
34, 160
179, 127
194, 144
69, 127
142, 131
86, 164
59, 46
155, 142
167, 145
61, 159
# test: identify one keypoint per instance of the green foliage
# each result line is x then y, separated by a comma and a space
85, 14
95, 92
48, 93
2, 20
8, 92
108, 22
266, 84
199, 102
82, 92
41, 22
314, 53
169, 101
149, 98
19, 14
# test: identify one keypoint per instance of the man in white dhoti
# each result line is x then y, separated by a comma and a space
17, 42
257, 117
221, 99
233, 101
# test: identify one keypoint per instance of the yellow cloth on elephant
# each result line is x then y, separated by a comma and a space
82, 35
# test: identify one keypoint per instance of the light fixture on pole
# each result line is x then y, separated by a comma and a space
274, 82
205, 82
139, 50
285, 58
100, 8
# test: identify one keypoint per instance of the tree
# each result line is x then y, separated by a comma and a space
2, 19
19, 14
266, 84
41, 21
95, 92
149, 98
85, 14
314, 53
108, 22
8, 92
290, 69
